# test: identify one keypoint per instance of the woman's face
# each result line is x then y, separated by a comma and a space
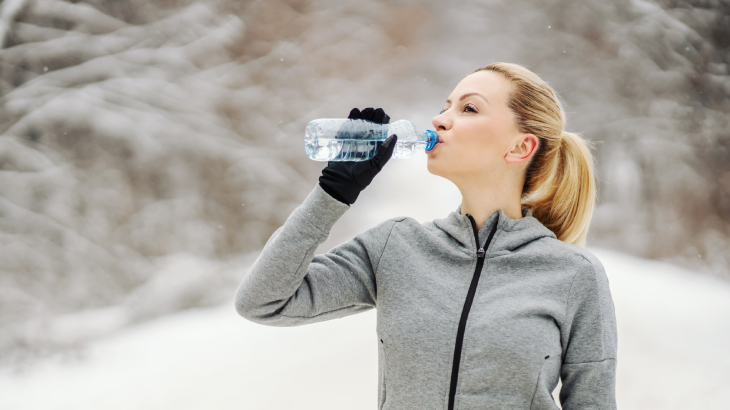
476, 129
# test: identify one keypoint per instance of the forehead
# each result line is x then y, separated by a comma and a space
488, 83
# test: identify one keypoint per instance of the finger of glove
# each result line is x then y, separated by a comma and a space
364, 172
379, 116
347, 129
354, 114
367, 114
385, 151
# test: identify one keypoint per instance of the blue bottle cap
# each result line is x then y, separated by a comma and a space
433, 139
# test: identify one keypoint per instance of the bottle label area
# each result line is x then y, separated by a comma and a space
334, 149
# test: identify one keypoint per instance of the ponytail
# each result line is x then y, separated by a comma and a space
559, 187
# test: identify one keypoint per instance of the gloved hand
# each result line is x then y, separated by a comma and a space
345, 180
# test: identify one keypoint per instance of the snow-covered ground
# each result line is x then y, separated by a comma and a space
674, 345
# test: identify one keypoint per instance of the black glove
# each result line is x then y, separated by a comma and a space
345, 180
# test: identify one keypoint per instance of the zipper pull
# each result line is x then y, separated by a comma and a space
480, 253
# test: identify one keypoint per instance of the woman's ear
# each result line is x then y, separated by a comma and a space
524, 148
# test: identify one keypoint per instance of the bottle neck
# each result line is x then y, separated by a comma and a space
431, 139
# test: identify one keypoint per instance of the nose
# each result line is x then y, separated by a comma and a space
441, 121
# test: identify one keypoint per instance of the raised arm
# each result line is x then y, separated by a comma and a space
288, 285
589, 340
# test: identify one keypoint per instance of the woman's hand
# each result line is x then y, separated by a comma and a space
345, 180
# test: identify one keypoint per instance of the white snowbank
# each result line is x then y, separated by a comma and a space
674, 337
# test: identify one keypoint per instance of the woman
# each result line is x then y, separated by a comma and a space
487, 308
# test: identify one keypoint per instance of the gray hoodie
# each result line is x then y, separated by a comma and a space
456, 330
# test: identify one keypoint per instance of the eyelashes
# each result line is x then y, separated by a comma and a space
466, 107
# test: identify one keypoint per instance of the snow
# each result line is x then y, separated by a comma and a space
209, 358
674, 334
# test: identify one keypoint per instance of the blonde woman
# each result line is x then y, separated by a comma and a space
486, 308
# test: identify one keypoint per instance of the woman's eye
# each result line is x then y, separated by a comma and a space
442, 111
469, 107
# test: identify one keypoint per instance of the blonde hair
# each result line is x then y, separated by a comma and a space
559, 184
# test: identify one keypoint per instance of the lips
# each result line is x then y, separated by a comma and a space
440, 139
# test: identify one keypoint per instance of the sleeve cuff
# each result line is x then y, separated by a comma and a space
321, 209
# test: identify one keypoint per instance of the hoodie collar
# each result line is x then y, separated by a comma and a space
510, 235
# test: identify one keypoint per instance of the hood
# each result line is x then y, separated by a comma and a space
510, 235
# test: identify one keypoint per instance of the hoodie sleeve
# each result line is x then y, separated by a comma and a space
288, 285
588, 372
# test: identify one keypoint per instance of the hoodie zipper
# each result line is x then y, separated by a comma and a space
481, 252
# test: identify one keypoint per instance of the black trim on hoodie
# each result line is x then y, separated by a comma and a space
481, 256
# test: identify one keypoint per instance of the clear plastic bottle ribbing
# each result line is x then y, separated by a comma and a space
338, 139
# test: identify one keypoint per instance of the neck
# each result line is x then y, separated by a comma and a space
481, 200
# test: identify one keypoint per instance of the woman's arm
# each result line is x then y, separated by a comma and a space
288, 285
589, 340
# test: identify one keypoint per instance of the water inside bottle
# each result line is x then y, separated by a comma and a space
332, 149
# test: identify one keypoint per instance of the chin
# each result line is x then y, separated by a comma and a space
433, 166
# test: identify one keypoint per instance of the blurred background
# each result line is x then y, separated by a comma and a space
149, 148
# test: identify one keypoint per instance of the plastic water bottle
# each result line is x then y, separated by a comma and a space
335, 139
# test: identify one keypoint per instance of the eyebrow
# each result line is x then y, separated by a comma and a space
469, 95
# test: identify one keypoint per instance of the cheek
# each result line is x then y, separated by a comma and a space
475, 149
479, 153
478, 143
